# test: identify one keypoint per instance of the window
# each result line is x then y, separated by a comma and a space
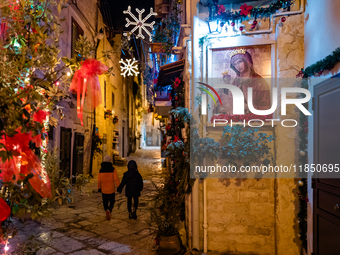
77, 31
113, 101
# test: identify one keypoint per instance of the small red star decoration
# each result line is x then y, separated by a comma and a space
245, 9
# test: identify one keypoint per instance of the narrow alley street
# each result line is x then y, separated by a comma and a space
81, 227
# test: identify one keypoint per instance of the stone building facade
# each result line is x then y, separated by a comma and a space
70, 138
246, 216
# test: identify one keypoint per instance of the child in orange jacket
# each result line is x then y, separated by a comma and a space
107, 178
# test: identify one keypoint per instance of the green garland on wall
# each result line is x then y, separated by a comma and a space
218, 12
316, 69
326, 64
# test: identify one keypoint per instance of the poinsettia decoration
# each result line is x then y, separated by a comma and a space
221, 9
245, 9
24, 162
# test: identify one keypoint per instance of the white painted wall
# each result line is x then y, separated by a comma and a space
322, 37
321, 29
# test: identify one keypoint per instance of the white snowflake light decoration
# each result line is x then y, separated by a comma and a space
139, 23
129, 67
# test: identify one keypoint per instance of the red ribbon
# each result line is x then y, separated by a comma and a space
85, 81
5, 210
24, 161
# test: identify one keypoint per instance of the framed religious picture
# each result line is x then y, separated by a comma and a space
244, 67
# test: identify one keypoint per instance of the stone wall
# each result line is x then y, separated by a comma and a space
290, 51
249, 216
89, 18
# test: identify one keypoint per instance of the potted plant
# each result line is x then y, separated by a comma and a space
166, 217
115, 119
164, 35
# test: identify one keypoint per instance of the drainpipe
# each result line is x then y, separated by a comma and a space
195, 188
205, 220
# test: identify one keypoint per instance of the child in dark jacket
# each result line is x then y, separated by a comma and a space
134, 185
107, 179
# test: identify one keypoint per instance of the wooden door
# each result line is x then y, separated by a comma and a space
326, 188
78, 154
65, 151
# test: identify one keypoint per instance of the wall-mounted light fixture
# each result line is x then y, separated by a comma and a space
214, 26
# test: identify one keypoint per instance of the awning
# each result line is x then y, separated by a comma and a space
168, 73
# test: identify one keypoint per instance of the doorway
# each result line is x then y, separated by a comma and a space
326, 191
65, 151
78, 154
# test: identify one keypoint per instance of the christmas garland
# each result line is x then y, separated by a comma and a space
218, 12
328, 63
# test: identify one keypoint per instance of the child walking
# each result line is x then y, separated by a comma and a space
107, 179
134, 185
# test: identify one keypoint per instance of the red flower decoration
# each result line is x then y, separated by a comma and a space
40, 116
177, 139
245, 9
5, 210
221, 9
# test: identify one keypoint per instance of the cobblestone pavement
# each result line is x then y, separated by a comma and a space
81, 228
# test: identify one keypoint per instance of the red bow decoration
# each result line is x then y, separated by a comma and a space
24, 161
245, 9
5, 210
85, 80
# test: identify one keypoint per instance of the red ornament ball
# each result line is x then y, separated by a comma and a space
176, 98
241, 28
283, 19
232, 24
253, 26
255, 22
